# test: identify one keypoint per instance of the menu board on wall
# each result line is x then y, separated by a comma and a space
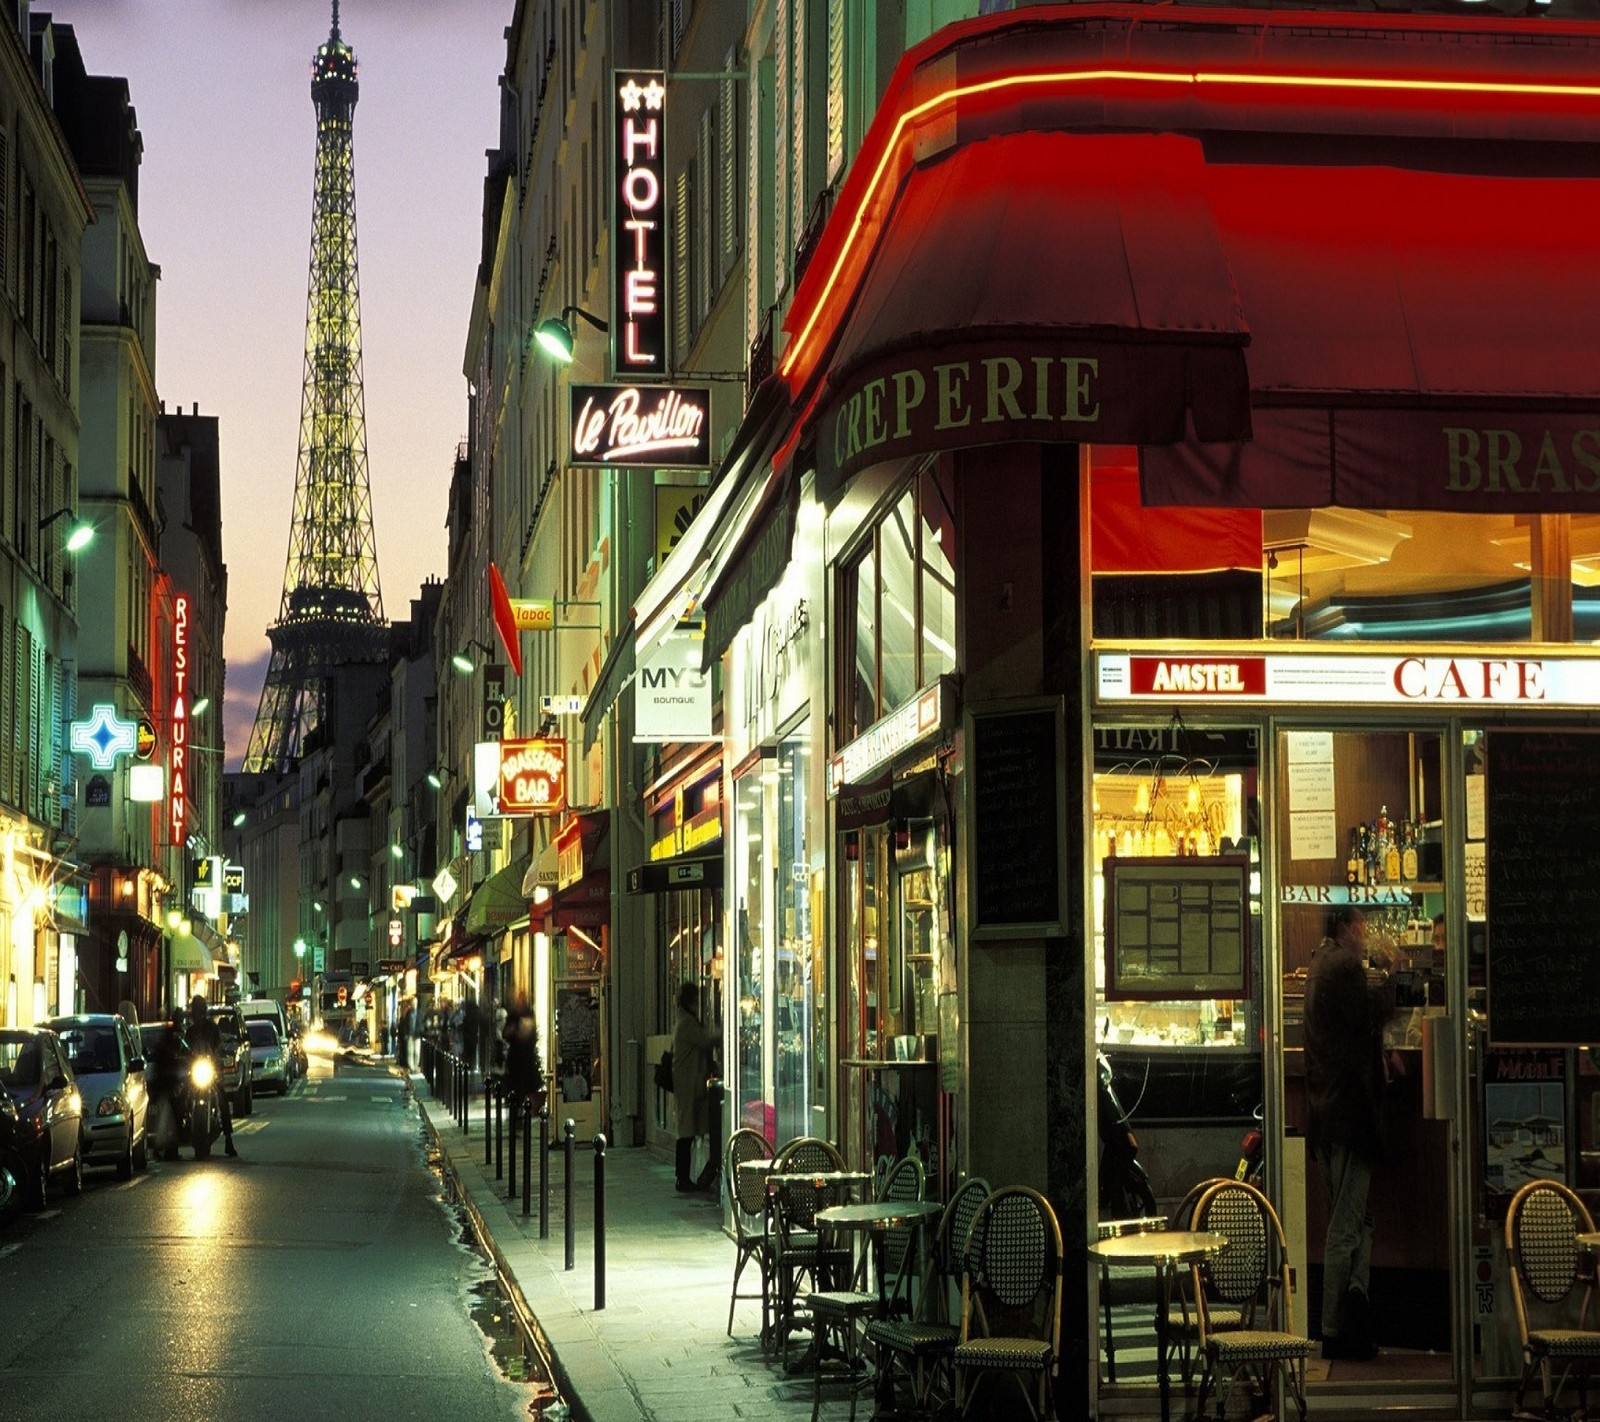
1542, 818
1015, 755
1177, 928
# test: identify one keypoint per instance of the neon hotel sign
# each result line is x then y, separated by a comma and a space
639, 326
178, 795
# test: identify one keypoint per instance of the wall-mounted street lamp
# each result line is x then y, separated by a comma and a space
462, 661
555, 336
81, 534
397, 851
201, 706
239, 819
439, 775
355, 881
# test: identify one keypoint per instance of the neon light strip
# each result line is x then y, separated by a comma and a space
950, 97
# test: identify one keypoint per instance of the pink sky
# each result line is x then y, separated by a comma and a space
222, 90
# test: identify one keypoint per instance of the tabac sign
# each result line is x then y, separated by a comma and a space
655, 426
638, 298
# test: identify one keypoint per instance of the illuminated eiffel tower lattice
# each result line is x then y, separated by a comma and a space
332, 610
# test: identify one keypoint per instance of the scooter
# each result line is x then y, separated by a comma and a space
1125, 1191
1252, 1152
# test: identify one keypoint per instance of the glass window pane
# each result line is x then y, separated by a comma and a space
798, 1023
897, 619
749, 939
938, 581
864, 659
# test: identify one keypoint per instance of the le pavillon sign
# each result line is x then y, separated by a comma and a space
638, 298
650, 426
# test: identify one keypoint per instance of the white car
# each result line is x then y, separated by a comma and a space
108, 1061
269, 1057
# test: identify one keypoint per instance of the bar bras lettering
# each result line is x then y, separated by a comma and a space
1498, 461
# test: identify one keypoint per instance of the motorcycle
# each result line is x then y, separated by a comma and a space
1125, 1191
1252, 1152
196, 1120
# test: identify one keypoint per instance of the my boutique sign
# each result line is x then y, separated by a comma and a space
653, 426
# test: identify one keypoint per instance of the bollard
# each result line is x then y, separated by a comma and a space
527, 1158
715, 1095
544, 1171
572, 1222
511, 1148
499, 1129
488, 1135
599, 1220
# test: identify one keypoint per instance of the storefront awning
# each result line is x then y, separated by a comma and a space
190, 955
583, 847
1418, 340
751, 564
1039, 286
497, 902
615, 673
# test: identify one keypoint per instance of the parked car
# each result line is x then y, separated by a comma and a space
36, 1076
269, 1064
234, 1068
108, 1061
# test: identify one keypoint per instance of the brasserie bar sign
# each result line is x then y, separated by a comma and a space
652, 426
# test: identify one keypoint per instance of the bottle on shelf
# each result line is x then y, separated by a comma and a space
1352, 862
1391, 847
1408, 853
1365, 863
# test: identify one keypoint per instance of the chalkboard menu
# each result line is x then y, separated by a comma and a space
1542, 822
1018, 821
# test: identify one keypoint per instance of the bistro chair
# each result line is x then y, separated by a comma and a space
922, 1345
1250, 1274
1183, 1318
1011, 1300
841, 1311
750, 1240
797, 1254
1553, 1285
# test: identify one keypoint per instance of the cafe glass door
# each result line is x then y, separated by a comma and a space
1360, 830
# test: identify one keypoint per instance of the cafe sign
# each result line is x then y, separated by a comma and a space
1404, 680
638, 298
653, 426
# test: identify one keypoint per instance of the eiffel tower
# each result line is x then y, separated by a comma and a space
332, 610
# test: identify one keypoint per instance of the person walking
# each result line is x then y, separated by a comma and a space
470, 1022
693, 1046
402, 1037
1345, 1013
524, 1071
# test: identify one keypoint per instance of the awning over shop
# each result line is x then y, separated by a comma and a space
751, 565
1419, 340
1039, 286
542, 871
190, 955
615, 673
1127, 537
583, 895
497, 902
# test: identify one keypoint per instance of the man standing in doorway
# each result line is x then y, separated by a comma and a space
1345, 1012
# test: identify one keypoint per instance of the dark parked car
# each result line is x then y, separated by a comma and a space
45, 1138
108, 1062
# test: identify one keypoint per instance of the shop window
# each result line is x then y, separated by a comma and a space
903, 586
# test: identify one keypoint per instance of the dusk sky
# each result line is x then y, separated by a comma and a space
222, 89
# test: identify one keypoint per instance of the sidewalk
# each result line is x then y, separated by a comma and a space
659, 1350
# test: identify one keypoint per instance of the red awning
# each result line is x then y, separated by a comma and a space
1418, 340
1039, 286
1126, 537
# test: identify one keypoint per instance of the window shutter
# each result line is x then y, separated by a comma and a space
8, 757
728, 172
835, 89
5, 211
781, 100
58, 760
705, 227
683, 309
66, 330
37, 750
752, 188
799, 204
21, 659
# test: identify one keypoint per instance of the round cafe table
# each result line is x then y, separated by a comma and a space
1165, 1250
876, 1219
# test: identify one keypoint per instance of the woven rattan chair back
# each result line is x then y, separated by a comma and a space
1543, 1231
1251, 1272
1012, 1286
799, 1201
749, 1187
905, 1182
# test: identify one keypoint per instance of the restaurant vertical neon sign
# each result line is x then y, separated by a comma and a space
178, 766
638, 298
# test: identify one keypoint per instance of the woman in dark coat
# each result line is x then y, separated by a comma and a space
692, 1048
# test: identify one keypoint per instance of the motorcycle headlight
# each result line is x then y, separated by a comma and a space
113, 1103
203, 1073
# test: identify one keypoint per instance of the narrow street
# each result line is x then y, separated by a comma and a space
317, 1275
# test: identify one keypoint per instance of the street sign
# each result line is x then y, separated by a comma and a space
358, 968
233, 878
392, 966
